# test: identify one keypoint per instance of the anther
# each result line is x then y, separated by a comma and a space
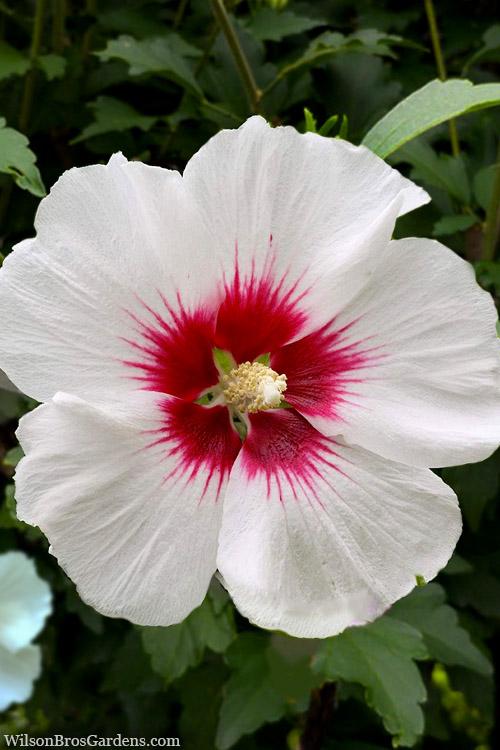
253, 386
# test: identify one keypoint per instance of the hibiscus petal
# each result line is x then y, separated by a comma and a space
129, 498
17, 674
120, 272
25, 601
296, 209
318, 535
418, 363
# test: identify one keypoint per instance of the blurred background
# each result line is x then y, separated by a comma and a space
155, 79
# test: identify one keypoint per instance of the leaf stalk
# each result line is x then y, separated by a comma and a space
29, 81
492, 216
253, 92
441, 67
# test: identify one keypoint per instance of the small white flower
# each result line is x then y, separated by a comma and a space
25, 603
305, 483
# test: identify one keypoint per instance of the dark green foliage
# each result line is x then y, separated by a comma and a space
155, 80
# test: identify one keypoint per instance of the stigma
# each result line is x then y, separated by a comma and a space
252, 386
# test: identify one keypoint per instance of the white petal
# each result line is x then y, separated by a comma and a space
17, 673
318, 535
303, 204
430, 394
25, 601
130, 518
110, 240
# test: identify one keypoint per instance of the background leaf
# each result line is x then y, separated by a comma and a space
263, 687
12, 62
18, 160
381, 657
268, 25
434, 103
175, 649
112, 115
168, 55
446, 641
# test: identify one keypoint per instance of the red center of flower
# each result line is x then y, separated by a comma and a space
173, 354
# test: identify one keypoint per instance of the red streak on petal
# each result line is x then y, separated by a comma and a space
201, 441
284, 448
322, 370
259, 313
174, 349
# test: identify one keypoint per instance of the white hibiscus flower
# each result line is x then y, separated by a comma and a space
25, 603
302, 478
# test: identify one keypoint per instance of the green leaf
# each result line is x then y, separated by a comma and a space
380, 656
490, 48
9, 519
480, 590
426, 610
129, 669
175, 649
112, 115
268, 25
330, 123
128, 20
451, 224
330, 43
476, 485
488, 275
201, 687
311, 125
483, 185
18, 160
478, 690
12, 62
90, 618
264, 686
442, 171
344, 127
52, 65
434, 103
457, 566
13, 456
166, 55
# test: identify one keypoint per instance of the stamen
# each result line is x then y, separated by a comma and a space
253, 386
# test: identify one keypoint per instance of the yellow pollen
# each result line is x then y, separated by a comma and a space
253, 386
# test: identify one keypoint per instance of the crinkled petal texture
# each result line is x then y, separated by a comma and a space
115, 245
318, 535
25, 601
126, 255
128, 498
310, 210
18, 671
410, 369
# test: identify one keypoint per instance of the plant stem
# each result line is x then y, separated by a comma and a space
179, 15
91, 10
441, 67
253, 91
492, 216
29, 81
58, 24
318, 717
